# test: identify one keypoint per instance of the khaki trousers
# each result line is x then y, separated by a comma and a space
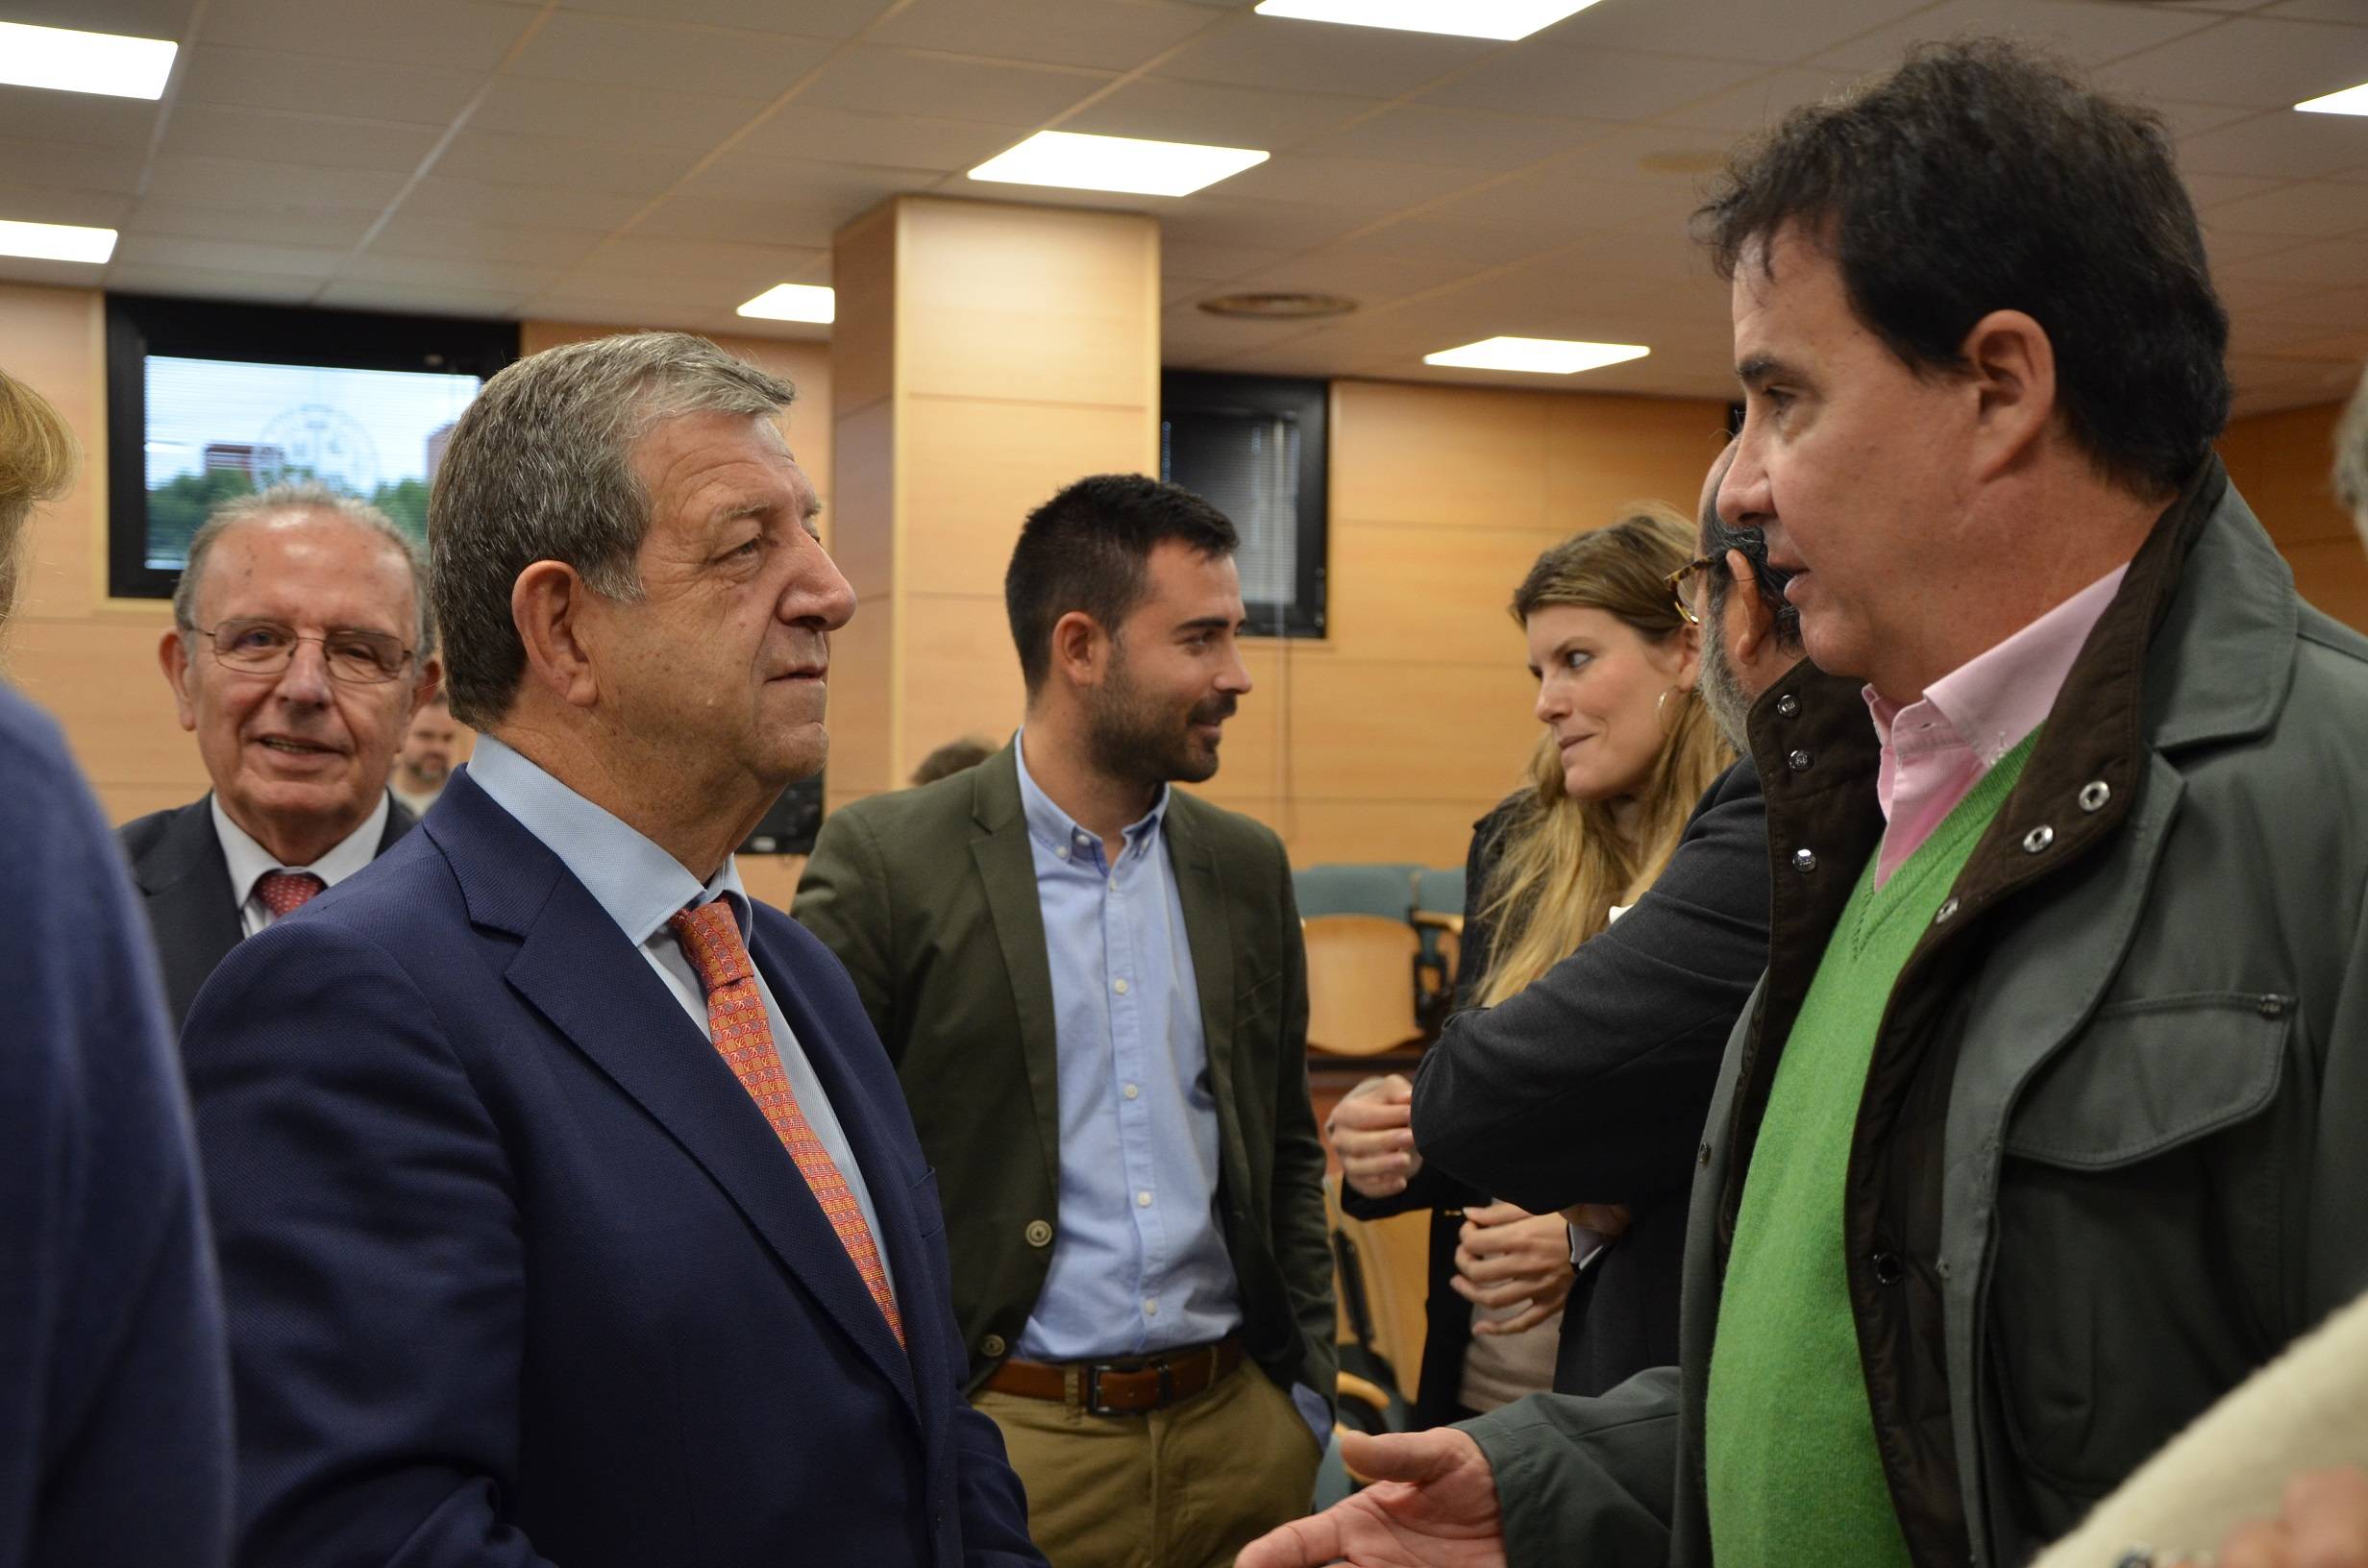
1184, 1487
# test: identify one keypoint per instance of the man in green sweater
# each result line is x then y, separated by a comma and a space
2042, 1130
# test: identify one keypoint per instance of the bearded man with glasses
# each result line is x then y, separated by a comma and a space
300, 647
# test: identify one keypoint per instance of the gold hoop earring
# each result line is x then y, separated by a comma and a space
1661, 706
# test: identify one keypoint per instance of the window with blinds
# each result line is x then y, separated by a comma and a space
1255, 447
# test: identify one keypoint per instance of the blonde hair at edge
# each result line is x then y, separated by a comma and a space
1564, 864
37, 464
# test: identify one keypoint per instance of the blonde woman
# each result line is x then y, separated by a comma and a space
1628, 750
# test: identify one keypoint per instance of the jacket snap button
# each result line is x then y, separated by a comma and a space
992, 1346
2036, 840
2094, 794
1889, 1269
1788, 705
1798, 762
1702, 1156
2271, 1007
1038, 1233
1947, 913
1804, 860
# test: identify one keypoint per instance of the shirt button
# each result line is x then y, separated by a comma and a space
1132, 1091
1038, 1233
992, 1346
1062, 851
1118, 986
1143, 1200
1151, 1306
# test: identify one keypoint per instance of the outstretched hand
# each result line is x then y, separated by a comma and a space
1431, 1502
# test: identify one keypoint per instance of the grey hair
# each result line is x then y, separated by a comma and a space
305, 495
540, 469
2352, 456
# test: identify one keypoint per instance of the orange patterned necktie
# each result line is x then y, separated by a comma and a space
710, 938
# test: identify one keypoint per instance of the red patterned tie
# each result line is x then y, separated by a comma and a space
285, 893
710, 938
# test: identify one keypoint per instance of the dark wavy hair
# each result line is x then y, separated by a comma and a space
1982, 176
1088, 549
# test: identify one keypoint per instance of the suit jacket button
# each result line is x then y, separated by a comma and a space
1039, 1234
992, 1346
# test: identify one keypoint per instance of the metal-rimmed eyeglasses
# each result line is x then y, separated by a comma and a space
353, 655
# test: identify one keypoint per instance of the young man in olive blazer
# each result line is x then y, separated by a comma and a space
1094, 992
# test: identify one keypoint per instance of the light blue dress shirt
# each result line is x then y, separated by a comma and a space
640, 886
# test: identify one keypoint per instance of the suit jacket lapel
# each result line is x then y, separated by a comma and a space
1209, 930
1007, 869
191, 907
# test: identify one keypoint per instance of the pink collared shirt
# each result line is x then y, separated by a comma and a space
1936, 749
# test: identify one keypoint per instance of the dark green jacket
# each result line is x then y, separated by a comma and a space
928, 896
2110, 1155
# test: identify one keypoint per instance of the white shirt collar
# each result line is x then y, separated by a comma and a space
250, 861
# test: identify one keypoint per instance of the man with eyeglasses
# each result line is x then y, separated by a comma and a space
301, 648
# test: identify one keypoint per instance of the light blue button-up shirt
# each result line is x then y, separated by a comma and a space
1139, 1262
640, 886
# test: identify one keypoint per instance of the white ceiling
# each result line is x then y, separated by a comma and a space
661, 161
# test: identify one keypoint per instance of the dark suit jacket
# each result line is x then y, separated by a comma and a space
177, 864
114, 1396
517, 1272
929, 897
1592, 1087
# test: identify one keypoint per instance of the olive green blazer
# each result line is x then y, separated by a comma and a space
928, 896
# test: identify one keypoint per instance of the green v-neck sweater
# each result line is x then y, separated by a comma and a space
1789, 1443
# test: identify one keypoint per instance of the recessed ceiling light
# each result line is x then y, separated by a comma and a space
793, 301
1279, 307
74, 61
1458, 19
2350, 101
56, 241
1544, 355
1125, 164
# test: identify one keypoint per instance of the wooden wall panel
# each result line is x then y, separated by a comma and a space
974, 468
1604, 453
1445, 456
2281, 463
864, 339
961, 674
1431, 595
863, 709
860, 525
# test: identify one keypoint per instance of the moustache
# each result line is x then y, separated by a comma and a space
1214, 711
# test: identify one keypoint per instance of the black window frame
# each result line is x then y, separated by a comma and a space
139, 325
1308, 404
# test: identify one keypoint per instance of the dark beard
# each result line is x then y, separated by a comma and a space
1132, 737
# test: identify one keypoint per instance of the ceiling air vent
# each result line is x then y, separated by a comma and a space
1278, 306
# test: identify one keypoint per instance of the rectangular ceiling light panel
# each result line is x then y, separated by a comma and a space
1506, 20
56, 241
1540, 356
793, 301
2350, 101
75, 62
1122, 164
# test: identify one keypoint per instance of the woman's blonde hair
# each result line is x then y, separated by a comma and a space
1563, 863
37, 464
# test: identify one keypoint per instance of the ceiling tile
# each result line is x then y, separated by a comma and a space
1459, 138
407, 235
139, 18
1118, 37
812, 18
1224, 220
199, 283
836, 191
238, 180
2284, 146
355, 294
1620, 154
20, 269
1368, 278
1348, 182
21, 203
68, 165
1281, 51
272, 135
643, 255
2247, 61
466, 35
2324, 310
802, 226
896, 81
139, 250
307, 85
1552, 204
1201, 111
2194, 119
730, 63
2315, 11
463, 201
818, 132
1763, 101
263, 222
1419, 239
503, 158
2313, 209
88, 119
1597, 84
1221, 262
2091, 34
608, 112
450, 272
1774, 35
2329, 263
657, 315
2207, 190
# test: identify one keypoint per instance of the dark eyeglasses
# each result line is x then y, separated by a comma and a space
1681, 579
265, 648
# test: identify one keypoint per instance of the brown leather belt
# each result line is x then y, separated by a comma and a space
1130, 1387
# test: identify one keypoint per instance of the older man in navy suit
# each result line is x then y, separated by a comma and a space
568, 1209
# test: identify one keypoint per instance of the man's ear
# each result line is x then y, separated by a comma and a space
173, 653
2012, 364
547, 605
1080, 649
1748, 622
431, 681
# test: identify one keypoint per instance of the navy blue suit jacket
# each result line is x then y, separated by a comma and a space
517, 1273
